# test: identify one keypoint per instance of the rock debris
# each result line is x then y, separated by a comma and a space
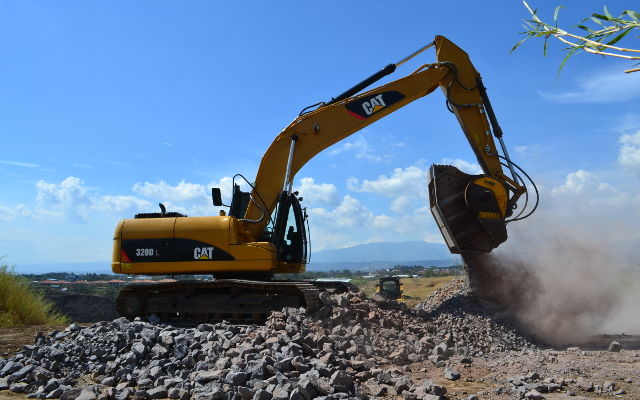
352, 347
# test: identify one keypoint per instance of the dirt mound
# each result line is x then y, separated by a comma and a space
475, 327
84, 307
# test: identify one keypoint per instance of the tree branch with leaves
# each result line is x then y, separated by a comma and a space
609, 30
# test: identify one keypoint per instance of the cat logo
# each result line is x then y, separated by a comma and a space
374, 105
203, 253
366, 106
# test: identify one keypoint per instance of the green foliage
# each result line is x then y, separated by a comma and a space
357, 275
600, 34
90, 277
426, 272
20, 304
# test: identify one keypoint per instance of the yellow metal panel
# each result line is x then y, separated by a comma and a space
289, 268
148, 228
498, 190
250, 257
196, 267
253, 251
212, 230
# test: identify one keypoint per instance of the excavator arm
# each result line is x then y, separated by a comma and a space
330, 123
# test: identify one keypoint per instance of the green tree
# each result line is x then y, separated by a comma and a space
599, 34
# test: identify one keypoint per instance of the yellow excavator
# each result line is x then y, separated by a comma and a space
265, 230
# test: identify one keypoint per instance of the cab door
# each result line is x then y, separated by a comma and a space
290, 234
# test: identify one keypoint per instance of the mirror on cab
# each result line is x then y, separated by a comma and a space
216, 196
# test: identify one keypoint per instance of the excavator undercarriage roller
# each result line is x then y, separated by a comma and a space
469, 209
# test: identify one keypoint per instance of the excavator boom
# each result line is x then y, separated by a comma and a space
313, 132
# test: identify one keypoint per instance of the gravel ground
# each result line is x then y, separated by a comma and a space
450, 346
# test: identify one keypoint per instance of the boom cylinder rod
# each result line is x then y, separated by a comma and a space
367, 82
389, 69
286, 186
415, 53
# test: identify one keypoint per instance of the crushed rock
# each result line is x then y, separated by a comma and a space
343, 350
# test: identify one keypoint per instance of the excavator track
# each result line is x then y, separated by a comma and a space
234, 300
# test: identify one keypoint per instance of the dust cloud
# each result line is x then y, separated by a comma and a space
564, 283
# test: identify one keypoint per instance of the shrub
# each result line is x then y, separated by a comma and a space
20, 304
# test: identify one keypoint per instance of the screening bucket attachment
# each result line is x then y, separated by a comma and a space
469, 209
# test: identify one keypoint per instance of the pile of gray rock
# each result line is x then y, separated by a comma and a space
472, 327
351, 347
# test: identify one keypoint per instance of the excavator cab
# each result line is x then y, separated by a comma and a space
288, 233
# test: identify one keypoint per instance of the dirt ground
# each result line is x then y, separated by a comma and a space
483, 376
591, 361
13, 338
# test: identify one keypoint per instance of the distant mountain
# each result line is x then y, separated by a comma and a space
75, 267
383, 255
385, 251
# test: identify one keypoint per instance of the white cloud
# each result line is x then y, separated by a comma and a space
162, 191
318, 193
67, 198
192, 199
73, 200
119, 204
20, 164
403, 181
629, 155
360, 148
403, 203
349, 213
119, 164
576, 183
628, 123
582, 191
80, 165
529, 150
415, 222
602, 87
472, 168
354, 223
12, 213
407, 187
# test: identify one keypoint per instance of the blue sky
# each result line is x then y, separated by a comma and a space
108, 108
